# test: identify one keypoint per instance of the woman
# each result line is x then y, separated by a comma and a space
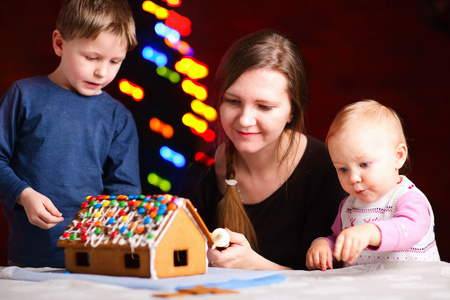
279, 188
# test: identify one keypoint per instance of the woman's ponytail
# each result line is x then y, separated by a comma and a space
230, 210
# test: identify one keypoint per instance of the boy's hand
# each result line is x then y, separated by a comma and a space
352, 241
319, 255
39, 209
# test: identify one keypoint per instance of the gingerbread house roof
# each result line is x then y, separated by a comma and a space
126, 221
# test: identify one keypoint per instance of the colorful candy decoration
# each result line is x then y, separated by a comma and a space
120, 219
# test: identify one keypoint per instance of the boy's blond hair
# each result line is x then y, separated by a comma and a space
88, 18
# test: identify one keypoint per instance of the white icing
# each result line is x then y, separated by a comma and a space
231, 181
153, 274
221, 238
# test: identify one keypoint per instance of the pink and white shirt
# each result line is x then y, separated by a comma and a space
405, 219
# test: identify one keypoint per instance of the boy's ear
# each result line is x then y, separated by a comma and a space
57, 42
401, 153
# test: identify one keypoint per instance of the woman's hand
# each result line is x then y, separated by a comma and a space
240, 255
39, 209
319, 255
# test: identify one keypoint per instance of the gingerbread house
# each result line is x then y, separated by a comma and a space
144, 236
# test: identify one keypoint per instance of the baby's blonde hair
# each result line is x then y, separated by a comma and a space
372, 113
88, 18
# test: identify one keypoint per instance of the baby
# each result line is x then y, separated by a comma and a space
385, 217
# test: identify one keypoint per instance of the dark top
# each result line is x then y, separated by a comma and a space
65, 146
288, 221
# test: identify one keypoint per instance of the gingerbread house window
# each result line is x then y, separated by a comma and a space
132, 261
180, 258
82, 259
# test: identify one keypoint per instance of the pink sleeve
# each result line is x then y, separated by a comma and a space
408, 226
336, 227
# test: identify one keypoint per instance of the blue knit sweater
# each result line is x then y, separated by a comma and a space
65, 146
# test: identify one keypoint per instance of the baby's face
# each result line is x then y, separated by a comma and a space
91, 64
366, 162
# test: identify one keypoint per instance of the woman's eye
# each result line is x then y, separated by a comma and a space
266, 107
231, 101
90, 58
365, 165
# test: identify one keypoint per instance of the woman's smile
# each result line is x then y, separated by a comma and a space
247, 134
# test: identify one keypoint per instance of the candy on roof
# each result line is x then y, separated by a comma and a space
122, 219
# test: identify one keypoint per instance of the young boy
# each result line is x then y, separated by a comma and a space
385, 218
61, 137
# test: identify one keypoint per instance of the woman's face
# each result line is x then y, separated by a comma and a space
255, 110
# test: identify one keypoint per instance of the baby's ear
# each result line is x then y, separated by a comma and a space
57, 42
401, 153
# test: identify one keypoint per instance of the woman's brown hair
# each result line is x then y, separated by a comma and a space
265, 49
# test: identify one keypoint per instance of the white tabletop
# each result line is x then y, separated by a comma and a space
393, 280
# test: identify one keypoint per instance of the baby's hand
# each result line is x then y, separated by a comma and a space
39, 209
352, 241
319, 255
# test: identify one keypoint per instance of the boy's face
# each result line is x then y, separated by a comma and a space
367, 161
87, 65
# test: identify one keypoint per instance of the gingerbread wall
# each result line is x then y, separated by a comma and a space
384, 50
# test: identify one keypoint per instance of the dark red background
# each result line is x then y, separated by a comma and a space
385, 50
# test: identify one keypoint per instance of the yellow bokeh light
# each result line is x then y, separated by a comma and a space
131, 89
149, 6
193, 122
194, 89
161, 13
137, 93
204, 110
197, 106
210, 113
192, 68
124, 86
174, 2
